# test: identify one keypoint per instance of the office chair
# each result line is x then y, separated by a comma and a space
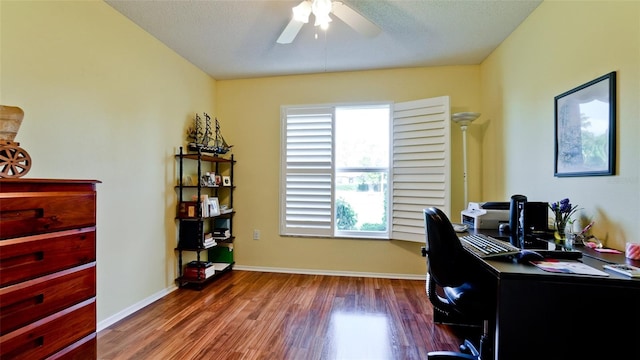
465, 292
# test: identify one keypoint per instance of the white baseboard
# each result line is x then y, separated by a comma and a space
160, 294
133, 308
331, 272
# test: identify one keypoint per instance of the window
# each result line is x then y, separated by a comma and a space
361, 171
336, 173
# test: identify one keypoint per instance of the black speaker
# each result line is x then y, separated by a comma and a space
536, 217
516, 208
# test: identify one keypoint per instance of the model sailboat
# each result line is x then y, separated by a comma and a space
203, 141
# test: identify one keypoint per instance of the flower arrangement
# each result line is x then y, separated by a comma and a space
562, 210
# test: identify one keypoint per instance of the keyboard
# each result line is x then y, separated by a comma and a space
485, 246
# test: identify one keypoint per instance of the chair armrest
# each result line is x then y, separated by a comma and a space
440, 304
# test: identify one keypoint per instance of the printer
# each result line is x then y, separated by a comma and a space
486, 215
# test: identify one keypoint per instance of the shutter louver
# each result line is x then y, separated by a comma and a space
421, 164
307, 172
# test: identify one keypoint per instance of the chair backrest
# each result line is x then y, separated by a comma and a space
447, 263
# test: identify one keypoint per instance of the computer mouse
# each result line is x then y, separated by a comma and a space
524, 256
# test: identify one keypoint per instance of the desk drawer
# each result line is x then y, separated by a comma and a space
27, 302
31, 213
32, 256
51, 334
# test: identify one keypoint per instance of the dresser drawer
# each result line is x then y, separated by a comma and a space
40, 212
24, 303
47, 336
32, 256
84, 349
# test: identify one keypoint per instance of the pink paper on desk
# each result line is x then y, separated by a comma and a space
608, 251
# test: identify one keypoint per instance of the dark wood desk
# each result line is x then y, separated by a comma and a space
544, 315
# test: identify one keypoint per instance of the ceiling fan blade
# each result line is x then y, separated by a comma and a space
352, 18
290, 32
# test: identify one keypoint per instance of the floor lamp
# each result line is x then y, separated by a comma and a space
464, 119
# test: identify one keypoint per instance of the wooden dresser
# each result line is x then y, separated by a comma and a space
47, 269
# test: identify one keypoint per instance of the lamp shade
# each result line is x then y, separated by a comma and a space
464, 118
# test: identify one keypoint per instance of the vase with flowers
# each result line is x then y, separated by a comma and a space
562, 211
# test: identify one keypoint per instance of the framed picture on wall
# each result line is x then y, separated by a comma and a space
585, 129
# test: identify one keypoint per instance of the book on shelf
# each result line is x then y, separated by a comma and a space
221, 233
189, 209
200, 263
198, 273
199, 269
204, 203
209, 240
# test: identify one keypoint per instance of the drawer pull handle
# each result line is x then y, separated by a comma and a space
25, 347
22, 304
21, 260
21, 214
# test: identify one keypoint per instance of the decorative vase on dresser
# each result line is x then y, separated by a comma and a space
47, 269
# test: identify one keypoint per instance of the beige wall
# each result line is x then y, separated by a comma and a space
560, 46
249, 111
104, 100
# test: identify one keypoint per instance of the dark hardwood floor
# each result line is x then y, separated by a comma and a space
255, 315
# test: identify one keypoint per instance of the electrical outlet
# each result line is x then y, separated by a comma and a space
256, 234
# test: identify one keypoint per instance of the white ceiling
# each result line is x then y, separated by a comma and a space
233, 39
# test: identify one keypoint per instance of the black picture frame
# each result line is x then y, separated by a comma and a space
585, 129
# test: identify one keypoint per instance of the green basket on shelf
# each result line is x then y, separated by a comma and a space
221, 254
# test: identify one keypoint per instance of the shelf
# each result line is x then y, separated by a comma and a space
221, 216
198, 283
198, 248
209, 158
193, 227
228, 240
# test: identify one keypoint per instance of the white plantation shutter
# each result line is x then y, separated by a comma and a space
421, 164
306, 172
420, 174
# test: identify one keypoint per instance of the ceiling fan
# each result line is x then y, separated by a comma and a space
321, 10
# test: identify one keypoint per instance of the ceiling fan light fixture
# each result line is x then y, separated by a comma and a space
323, 21
302, 11
321, 10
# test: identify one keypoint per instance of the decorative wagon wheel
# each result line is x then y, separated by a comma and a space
14, 160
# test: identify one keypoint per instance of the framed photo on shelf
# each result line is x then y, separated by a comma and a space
226, 181
585, 129
214, 206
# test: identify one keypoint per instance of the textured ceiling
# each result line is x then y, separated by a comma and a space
232, 39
